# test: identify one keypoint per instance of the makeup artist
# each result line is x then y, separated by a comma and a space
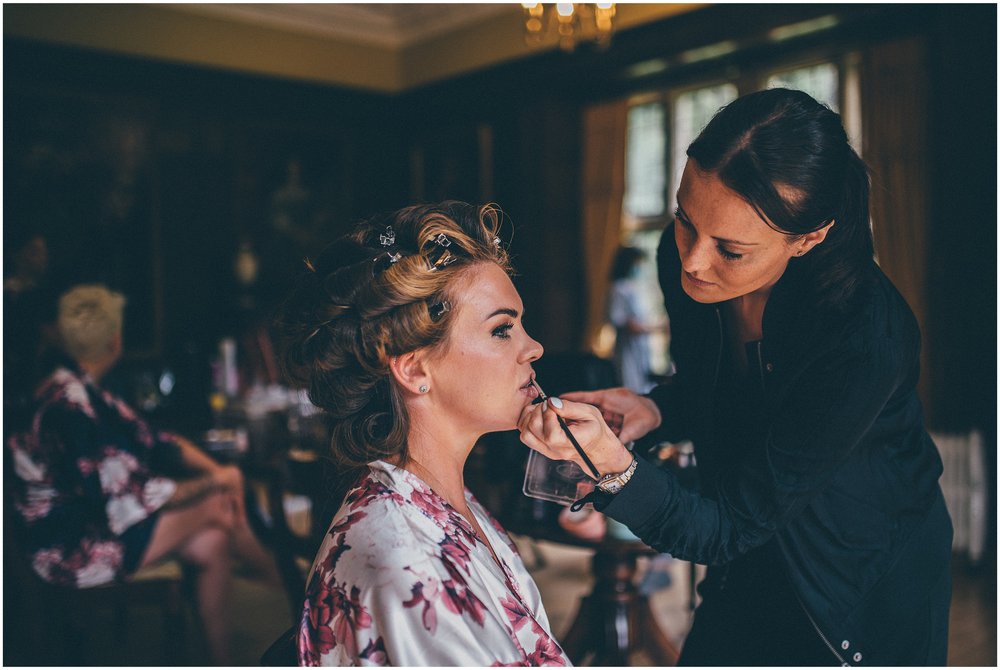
820, 515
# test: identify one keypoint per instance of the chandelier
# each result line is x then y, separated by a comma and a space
572, 22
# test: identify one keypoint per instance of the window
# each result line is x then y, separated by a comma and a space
645, 165
820, 81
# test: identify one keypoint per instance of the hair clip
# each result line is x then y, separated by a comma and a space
496, 241
384, 261
440, 256
438, 309
447, 258
388, 238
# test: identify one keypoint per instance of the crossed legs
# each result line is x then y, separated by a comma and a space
208, 535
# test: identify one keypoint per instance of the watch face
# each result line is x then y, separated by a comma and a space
614, 486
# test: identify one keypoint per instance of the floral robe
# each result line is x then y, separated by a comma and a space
401, 579
85, 500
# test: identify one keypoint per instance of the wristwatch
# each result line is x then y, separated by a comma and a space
613, 483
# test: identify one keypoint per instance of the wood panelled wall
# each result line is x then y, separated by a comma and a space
185, 163
149, 177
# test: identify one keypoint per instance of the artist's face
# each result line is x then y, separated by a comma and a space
726, 249
480, 377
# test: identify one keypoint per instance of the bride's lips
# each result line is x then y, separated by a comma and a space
529, 388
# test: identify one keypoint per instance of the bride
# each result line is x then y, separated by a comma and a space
408, 333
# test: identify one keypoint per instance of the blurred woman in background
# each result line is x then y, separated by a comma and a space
92, 503
633, 320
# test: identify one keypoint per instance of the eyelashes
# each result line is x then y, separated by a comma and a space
725, 253
729, 255
503, 331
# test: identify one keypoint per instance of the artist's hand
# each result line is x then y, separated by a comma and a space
541, 431
629, 415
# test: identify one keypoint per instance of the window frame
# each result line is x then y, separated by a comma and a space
746, 79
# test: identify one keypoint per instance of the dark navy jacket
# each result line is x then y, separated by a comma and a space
845, 477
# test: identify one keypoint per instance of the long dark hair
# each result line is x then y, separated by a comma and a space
788, 156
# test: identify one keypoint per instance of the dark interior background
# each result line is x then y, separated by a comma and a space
148, 176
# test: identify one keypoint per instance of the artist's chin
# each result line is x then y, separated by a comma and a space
699, 291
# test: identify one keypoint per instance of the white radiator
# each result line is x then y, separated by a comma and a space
964, 485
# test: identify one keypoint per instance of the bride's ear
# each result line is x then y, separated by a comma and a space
410, 371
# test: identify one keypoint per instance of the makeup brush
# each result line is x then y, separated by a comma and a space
565, 428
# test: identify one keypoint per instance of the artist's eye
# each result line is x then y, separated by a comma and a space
503, 331
729, 255
681, 219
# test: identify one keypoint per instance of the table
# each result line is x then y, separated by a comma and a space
614, 621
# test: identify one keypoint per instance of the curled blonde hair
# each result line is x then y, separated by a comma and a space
383, 290
90, 318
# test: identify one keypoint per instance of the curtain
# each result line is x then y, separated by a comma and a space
894, 101
603, 183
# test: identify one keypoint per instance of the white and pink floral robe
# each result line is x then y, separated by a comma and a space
401, 579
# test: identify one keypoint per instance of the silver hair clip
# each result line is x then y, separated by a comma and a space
496, 241
384, 261
446, 259
438, 309
440, 256
388, 238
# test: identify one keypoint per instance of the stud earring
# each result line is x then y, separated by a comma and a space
424, 388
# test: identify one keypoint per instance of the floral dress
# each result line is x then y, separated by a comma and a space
401, 579
84, 497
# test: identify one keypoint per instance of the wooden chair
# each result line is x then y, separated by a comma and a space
51, 625
48, 625
301, 502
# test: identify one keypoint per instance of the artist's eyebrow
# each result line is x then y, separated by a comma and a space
512, 313
683, 215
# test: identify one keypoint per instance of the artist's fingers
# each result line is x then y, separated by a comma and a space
533, 442
589, 397
629, 433
614, 421
552, 431
540, 430
532, 418
574, 411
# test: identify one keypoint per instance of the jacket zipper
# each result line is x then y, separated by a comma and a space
718, 356
833, 650
715, 384
760, 365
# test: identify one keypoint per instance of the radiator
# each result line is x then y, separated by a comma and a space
964, 485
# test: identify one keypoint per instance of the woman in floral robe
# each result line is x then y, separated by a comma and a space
408, 334
84, 492
89, 506
402, 580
